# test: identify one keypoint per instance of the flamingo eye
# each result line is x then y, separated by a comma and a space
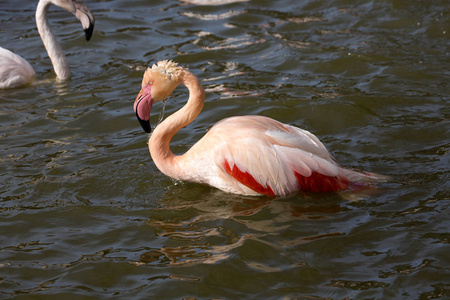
150, 82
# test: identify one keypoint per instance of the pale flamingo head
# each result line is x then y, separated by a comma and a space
158, 83
81, 12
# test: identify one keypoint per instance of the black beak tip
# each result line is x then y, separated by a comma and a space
145, 125
88, 32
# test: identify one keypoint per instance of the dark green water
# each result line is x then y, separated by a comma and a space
85, 213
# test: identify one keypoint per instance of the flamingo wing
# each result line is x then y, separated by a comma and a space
271, 158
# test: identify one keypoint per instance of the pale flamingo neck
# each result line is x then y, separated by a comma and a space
159, 142
54, 50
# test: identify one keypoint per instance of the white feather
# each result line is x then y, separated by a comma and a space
14, 70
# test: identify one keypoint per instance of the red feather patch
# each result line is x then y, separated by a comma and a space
317, 182
247, 180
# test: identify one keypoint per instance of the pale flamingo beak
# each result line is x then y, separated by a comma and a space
86, 18
142, 106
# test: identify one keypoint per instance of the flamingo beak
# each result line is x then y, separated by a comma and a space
86, 18
142, 106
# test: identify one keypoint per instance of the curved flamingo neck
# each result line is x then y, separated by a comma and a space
159, 144
54, 50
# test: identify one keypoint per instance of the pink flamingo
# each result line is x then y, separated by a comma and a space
247, 155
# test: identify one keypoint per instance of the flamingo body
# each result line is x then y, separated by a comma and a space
254, 155
248, 155
16, 71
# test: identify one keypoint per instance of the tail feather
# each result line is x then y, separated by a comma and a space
366, 179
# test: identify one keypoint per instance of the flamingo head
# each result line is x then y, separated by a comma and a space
81, 12
158, 83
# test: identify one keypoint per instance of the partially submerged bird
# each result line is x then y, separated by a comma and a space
16, 71
248, 155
